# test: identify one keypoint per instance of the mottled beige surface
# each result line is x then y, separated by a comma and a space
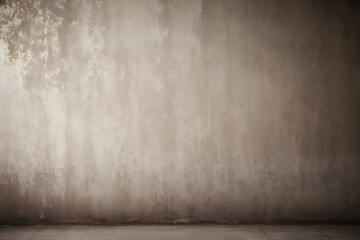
179, 111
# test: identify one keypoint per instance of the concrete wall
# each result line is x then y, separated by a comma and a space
177, 111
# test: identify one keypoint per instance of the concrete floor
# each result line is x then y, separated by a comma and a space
201, 232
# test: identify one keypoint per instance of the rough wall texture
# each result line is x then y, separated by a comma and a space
176, 111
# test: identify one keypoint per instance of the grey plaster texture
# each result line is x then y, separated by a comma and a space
179, 111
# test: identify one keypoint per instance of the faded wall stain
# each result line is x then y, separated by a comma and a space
179, 111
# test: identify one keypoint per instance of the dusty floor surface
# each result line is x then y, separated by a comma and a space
258, 232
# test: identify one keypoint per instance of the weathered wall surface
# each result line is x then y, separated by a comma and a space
164, 111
